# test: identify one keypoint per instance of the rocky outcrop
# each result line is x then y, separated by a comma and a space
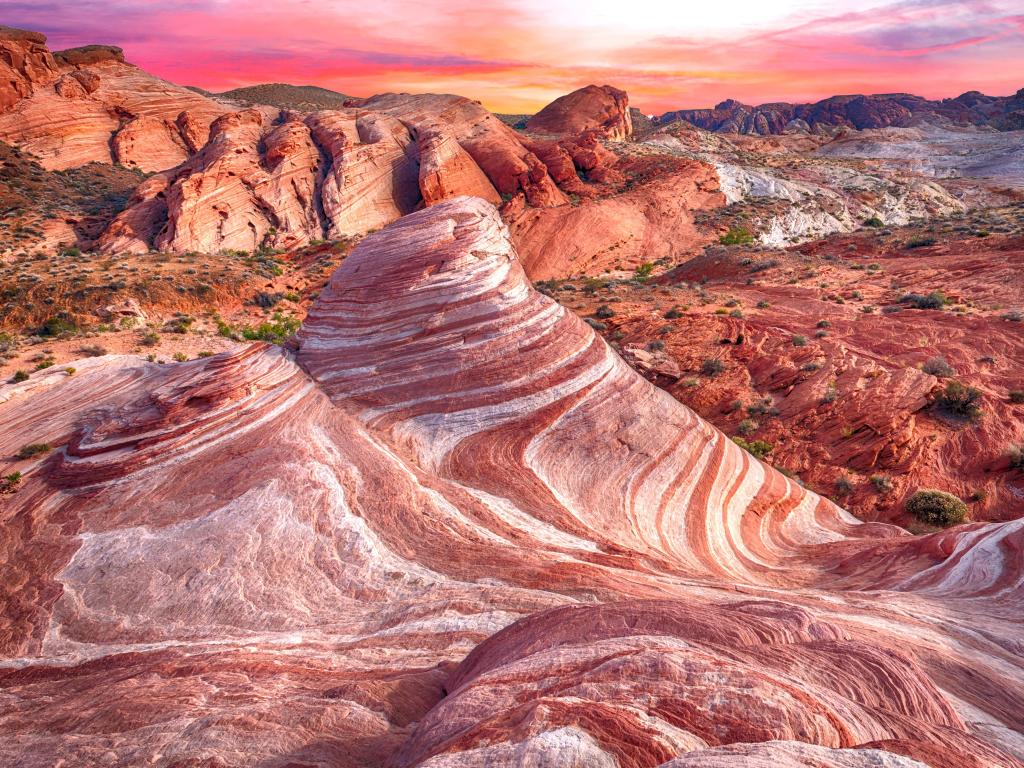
284, 181
459, 530
25, 64
593, 108
94, 107
875, 111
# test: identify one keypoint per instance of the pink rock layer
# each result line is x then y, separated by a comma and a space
455, 529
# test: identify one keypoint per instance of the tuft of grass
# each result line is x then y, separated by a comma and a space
29, 450
736, 236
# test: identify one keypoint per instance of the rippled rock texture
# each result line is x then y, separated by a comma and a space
87, 104
455, 529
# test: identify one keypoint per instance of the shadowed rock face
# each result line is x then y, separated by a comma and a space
594, 108
457, 530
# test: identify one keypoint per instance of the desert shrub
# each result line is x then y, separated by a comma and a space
9, 483
673, 313
276, 331
150, 339
180, 324
69, 371
937, 507
882, 483
644, 271
799, 341
57, 325
763, 304
843, 485
604, 311
921, 241
759, 448
747, 426
1017, 396
180, 357
597, 325
1014, 316
823, 324
960, 401
762, 266
19, 375
933, 300
655, 346
712, 367
736, 313
874, 222
92, 350
937, 366
736, 236
29, 450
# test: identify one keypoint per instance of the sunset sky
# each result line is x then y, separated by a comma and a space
515, 57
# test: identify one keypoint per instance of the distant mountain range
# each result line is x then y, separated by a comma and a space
1004, 113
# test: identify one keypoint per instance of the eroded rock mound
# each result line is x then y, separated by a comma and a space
284, 180
252, 558
25, 64
91, 97
593, 108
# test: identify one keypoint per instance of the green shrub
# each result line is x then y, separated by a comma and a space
57, 325
922, 241
882, 483
933, 300
736, 236
19, 375
874, 222
937, 508
759, 448
1016, 454
960, 401
604, 311
644, 271
1017, 396
712, 367
937, 366
29, 450
150, 339
799, 341
9, 483
747, 426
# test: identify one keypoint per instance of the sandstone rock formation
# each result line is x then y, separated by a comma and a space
457, 530
25, 64
118, 112
282, 180
601, 108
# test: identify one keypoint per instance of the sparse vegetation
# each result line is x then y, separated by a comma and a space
737, 236
937, 508
933, 300
874, 222
712, 367
882, 483
29, 450
759, 448
937, 366
747, 426
960, 401
799, 341
921, 241
9, 483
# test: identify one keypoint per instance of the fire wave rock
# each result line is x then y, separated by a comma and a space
457, 530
